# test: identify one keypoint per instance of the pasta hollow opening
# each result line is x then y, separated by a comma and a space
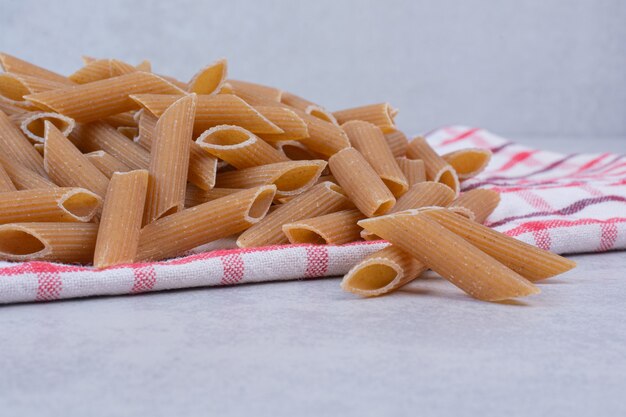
449, 178
19, 242
296, 153
469, 162
227, 137
334, 187
261, 204
372, 277
394, 186
303, 235
296, 178
81, 205
384, 207
37, 126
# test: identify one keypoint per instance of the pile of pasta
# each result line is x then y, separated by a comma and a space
116, 164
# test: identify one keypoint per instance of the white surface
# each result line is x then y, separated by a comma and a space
516, 67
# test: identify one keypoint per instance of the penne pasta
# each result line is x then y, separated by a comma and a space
96, 70
381, 115
146, 125
295, 101
120, 224
322, 199
67, 166
468, 163
17, 148
294, 128
106, 163
397, 142
476, 204
58, 242
24, 178
48, 205
324, 138
413, 170
291, 178
99, 99
239, 147
294, 150
332, 229
195, 195
437, 169
361, 183
370, 142
6, 185
209, 80
129, 131
456, 260
220, 109
121, 68
17, 66
321, 113
12, 91
10, 109
382, 272
126, 119
169, 160
252, 91
527, 260
32, 124
204, 223
39, 147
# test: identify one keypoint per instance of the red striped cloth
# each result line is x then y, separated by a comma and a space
564, 203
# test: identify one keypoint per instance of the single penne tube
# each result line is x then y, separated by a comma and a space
209, 80
48, 205
294, 128
437, 169
220, 109
252, 91
169, 160
173, 235
291, 178
32, 124
295, 101
120, 223
451, 256
397, 142
321, 113
239, 147
324, 138
106, 163
130, 132
361, 183
476, 204
17, 66
96, 70
380, 114
146, 125
24, 178
294, 150
100, 136
67, 166
322, 199
382, 272
370, 142
56, 242
332, 229
13, 88
6, 185
121, 68
468, 162
17, 148
99, 99
196, 195
413, 170
122, 119
527, 260
424, 194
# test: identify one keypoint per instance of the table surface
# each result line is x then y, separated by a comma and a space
307, 348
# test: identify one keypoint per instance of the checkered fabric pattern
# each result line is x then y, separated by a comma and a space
563, 203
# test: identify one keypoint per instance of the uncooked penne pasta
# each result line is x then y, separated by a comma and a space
204, 223
106, 163
437, 169
476, 204
294, 128
321, 113
121, 68
96, 70
67, 166
324, 138
209, 80
295, 101
382, 272
92, 101
96, 136
370, 142
24, 178
468, 162
397, 142
295, 150
17, 148
169, 160
120, 223
451, 256
291, 178
322, 199
6, 185
48, 205
58, 242
332, 229
10, 109
381, 115
32, 124
239, 147
122, 119
146, 125
413, 170
196, 195
220, 109
251, 91
361, 183
12, 91
17, 66
130, 132
527, 260
39, 147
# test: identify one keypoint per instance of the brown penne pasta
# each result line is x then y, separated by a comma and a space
17, 148
130, 132
106, 163
295, 101
437, 169
147, 123
468, 162
332, 229
24, 178
209, 80
381, 115
476, 204
6, 185
397, 142
413, 170
294, 128
324, 138
122, 119
17, 66
321, 113
295, 150
10, 109
96, 70
32, 124
251, 91
195, 195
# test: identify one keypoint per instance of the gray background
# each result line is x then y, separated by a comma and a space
520, 68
